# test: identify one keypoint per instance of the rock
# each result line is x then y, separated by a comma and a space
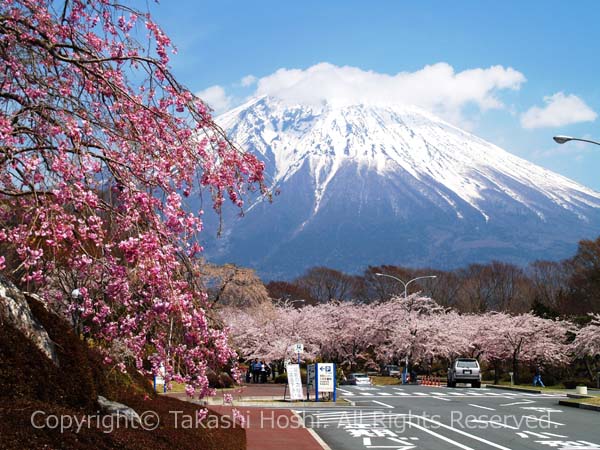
118, 409
15, 310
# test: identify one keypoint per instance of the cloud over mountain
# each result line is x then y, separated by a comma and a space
437, 88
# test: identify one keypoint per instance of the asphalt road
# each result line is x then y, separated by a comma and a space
432, 418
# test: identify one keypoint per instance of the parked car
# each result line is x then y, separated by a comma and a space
464, 370
358, 379
391, 371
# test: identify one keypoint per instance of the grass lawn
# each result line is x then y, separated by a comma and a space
385, 381
180, 387
556, 387
586, 401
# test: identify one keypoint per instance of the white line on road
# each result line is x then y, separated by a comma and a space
526, 402
383, 404
439, 436
472, 436
482, 407
500, 424
441, 398
543, 420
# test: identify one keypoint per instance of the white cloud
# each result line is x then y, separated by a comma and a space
437, 88
216, 98
560, 110
248, 80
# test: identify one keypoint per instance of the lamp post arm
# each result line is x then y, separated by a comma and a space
415, 279
585, 140
392, 276
563, 139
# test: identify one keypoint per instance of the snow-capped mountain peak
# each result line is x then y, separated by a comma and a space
388, 139
375, 183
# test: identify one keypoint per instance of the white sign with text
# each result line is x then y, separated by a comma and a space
294, 382
326, 377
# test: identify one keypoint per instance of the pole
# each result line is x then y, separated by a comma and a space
316, 382
405, 373
334, 382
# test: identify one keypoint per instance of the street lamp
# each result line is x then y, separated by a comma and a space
403, 283
405, 374
563, 139
287, 301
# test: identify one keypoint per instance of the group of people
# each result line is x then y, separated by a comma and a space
258, 371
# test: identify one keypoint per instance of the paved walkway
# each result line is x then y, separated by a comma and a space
273, 429
266, 428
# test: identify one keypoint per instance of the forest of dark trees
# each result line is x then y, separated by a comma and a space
548, 288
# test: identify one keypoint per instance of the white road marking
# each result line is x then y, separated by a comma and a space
482, 407
385, 393
439, 436
544, 420
441, 398
472, 436
500, 424
526, 402
383, 404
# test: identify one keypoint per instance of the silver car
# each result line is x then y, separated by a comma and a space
358, 379
391, 370
464, 370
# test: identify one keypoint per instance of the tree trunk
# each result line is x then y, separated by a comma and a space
589, 369
515, 365
496, 372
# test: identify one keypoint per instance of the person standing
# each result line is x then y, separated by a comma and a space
255, 370
537, 379
263, 372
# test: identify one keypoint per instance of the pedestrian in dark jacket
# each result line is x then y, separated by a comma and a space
537, 378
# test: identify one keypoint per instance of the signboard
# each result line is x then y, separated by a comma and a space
159, 380
298, 348
310, 375
326, 377
294, 382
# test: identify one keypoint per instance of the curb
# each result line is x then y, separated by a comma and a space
579, 396
511, 388
281, 404
578, 405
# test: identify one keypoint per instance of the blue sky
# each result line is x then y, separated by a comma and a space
503, 57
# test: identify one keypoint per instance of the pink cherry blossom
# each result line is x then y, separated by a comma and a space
99, 141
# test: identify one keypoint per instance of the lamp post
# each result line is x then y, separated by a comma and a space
562, 139
405, 373
403, 283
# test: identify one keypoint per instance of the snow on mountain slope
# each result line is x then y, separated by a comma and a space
341, 167
385, 139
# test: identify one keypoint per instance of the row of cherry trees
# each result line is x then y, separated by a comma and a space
358, 335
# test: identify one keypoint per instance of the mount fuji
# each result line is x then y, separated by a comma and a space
373, 184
